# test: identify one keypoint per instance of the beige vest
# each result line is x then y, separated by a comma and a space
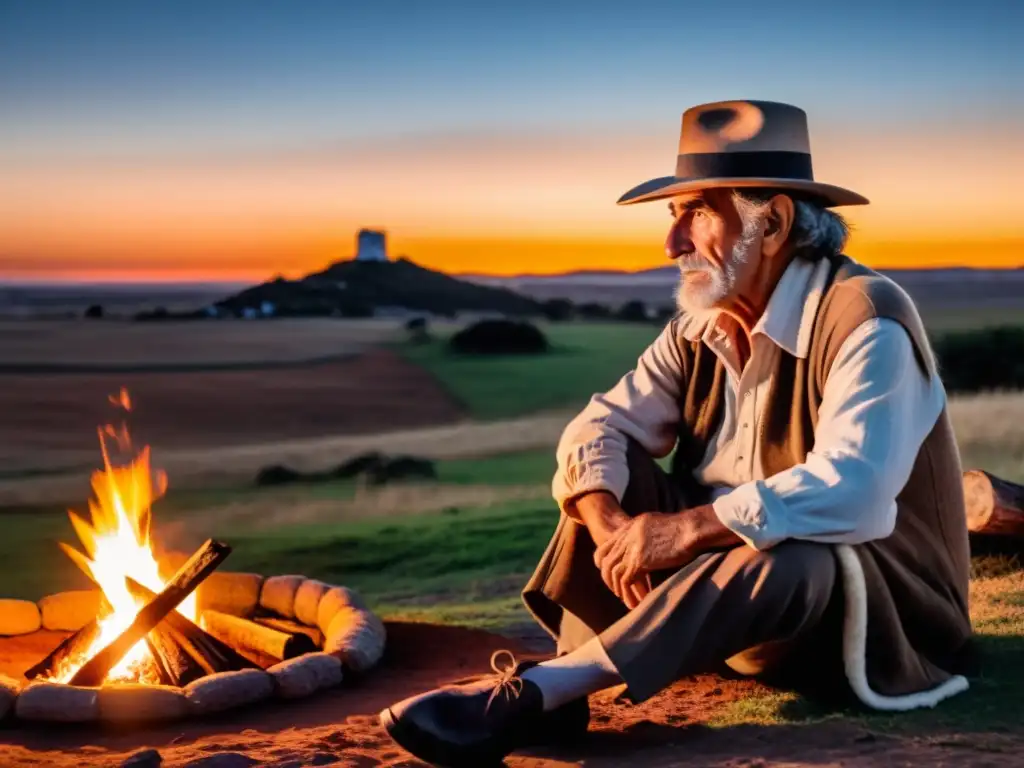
907, 628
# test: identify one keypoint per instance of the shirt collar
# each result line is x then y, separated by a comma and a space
788, 320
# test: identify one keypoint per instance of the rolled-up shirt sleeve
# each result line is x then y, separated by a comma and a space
878, 406
643, 405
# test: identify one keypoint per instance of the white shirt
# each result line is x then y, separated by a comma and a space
877, 408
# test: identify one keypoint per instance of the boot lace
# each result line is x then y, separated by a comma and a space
509, 685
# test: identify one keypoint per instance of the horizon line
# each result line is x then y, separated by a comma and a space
91, 278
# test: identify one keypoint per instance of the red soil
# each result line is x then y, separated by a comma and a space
340, 727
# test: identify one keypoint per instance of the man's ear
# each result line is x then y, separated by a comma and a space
777, 224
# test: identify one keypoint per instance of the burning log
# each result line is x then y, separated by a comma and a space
183, 650
72, 646
175, 666
995, 507
185, 581
249, 636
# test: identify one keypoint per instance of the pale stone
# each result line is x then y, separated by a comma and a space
58, 703
307, 600
306, 674
70, 611
234, 593
9, 688
227, 690
146, 703
278, 594
19, 617
334, 600
356, 637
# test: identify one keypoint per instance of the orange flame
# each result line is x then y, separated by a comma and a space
117, 544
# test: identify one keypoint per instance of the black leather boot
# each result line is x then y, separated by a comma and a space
479, 724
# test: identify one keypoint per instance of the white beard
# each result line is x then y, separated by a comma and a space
703, 285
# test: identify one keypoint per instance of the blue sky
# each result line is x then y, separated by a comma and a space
252, 138
103, 77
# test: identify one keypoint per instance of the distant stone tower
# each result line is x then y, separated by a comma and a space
371, 246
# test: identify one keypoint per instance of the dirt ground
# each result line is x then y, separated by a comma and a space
50, 420
340, 727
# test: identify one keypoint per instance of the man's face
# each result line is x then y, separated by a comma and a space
716, 250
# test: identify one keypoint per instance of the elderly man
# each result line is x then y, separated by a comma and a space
811, 528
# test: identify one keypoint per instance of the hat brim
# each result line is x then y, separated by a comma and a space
670, 186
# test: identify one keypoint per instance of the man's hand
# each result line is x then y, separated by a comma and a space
601, 512
656, 541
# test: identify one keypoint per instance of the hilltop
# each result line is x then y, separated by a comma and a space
357, 288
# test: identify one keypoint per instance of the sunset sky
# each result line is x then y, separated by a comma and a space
238, 140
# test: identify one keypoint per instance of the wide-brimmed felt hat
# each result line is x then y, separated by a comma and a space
743, 144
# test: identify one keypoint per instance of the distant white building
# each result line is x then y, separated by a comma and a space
371, 245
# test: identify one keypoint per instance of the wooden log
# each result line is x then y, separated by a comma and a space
175, 665
185, 581
995, 507
205, 653
292, 627
246, 635
69, 648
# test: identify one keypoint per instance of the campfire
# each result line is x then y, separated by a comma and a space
205, 640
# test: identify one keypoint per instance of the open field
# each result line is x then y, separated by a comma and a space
133, 346
50, 421
457, 551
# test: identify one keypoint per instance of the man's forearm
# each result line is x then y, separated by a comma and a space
601, 512
702, 531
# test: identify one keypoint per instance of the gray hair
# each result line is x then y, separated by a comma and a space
817, 231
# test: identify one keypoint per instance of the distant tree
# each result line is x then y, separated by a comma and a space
558, 309
633, 311
593, 311
94, 312
418, 330
160, 313
664, 313
499, 337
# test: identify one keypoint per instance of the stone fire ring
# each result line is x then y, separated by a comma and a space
353, 642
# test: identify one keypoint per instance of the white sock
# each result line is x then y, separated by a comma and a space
574, 675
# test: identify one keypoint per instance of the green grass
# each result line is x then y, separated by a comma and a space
966, 319
585, 358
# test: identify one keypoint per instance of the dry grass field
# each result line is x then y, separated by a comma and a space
132, 346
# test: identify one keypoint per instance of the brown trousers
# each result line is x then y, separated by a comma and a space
776, 615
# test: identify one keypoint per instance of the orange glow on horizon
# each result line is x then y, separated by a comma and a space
499, 205
515, 256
